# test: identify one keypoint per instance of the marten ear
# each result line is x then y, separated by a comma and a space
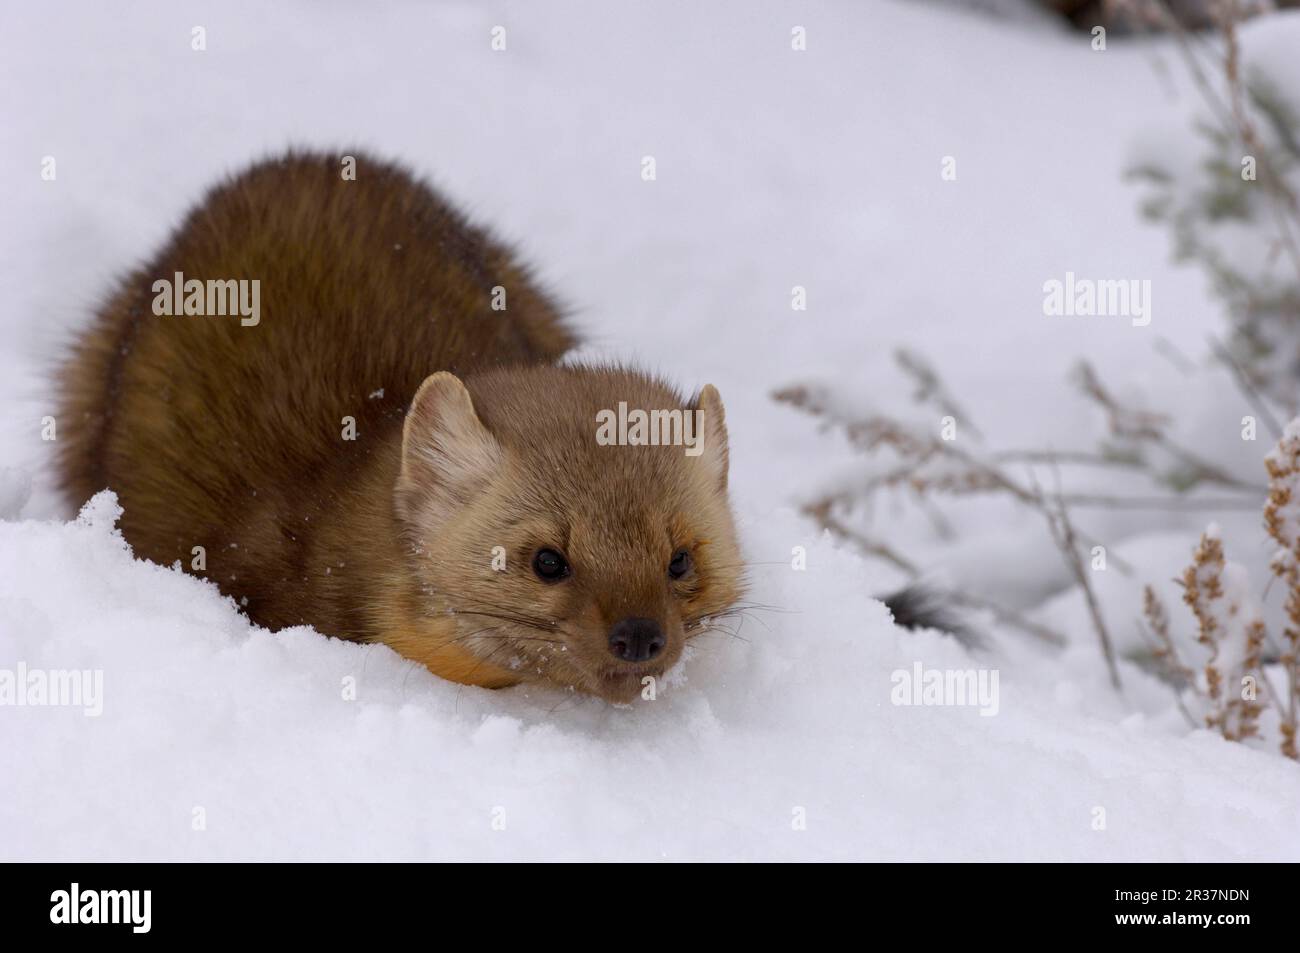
713, 424
447, 453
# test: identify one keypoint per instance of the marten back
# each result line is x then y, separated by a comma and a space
367, 285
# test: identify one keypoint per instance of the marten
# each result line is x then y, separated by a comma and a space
379, 439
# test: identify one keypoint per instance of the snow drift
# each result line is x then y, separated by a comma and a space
219, 740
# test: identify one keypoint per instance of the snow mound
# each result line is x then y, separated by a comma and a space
220, 740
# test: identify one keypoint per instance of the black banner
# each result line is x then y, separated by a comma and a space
142, 902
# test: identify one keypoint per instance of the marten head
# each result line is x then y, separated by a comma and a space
572, 521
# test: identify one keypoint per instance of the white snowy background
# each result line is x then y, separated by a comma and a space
775, 168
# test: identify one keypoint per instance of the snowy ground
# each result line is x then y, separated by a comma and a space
775, 168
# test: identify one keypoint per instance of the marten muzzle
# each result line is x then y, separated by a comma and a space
636, 639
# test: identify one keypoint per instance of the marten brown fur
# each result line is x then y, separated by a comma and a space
385, 455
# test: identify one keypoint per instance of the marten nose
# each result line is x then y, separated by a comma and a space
636, 640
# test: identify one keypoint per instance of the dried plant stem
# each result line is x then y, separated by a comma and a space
1247, 387
1073, 457
1157, 616
1058, 522
931, 389
1281, 523
1286, 210
1143, 426
1231, 115
1176, 685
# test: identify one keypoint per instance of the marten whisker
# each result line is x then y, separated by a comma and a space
539, 625
493, 633
503, 612
719, 630
711, 622
496, 632
759, 607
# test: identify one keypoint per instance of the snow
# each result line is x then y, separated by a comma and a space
775, 169
201, 712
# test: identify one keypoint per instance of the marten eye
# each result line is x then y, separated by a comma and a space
550, 565
680, 564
